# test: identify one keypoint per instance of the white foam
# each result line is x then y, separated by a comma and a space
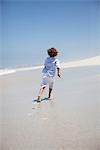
29, 68
7, 71
10, 71
93, 61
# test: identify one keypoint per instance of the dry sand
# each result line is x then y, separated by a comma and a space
69, 122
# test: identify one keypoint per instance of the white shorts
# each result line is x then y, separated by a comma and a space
47, 80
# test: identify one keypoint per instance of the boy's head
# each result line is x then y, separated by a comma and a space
52, 52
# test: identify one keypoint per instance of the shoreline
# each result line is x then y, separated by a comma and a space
94, 61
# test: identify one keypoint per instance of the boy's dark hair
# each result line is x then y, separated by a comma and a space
52, 52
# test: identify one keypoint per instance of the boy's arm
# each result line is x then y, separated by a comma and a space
58, 67
58, 72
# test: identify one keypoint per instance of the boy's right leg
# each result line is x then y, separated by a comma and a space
51, 82
50, 90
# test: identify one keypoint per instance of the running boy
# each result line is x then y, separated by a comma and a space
49, 70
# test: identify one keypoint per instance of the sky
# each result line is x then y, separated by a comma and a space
29, 28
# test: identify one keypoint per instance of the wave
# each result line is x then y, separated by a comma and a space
93, 61
6, 71
10, 71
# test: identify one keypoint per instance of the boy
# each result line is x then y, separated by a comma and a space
49, 70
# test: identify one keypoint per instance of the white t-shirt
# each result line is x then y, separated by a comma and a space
50, 65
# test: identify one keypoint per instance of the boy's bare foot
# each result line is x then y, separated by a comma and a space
50, 98
38, 99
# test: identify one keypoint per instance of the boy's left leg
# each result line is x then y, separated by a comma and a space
40, 94
43, 86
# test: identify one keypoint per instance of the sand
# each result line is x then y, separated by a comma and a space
71, 121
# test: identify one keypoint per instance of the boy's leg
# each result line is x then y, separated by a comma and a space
43, 86
40, 94
51, 82
50, 90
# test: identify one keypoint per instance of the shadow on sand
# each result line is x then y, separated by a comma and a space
44, 99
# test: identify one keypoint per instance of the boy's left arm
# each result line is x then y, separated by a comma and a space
58, 67
58, 72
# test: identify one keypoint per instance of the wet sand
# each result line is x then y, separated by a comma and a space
71, 121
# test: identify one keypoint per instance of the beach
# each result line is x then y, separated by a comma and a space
68, 122
29, 30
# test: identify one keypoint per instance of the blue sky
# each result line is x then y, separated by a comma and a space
31, 27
